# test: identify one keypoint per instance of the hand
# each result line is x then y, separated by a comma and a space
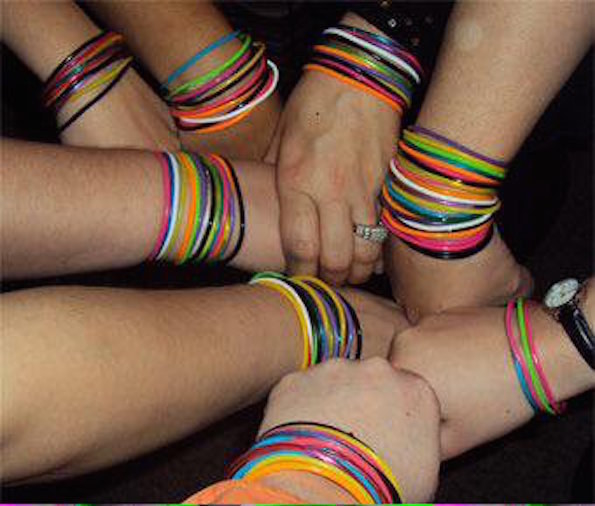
394, 412
335, 145
424, 285
465, 356
381, 320
131, 115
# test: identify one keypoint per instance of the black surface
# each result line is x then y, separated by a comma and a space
547, 219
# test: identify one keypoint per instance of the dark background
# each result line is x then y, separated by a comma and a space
547, 219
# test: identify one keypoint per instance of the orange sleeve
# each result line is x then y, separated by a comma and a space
240, 491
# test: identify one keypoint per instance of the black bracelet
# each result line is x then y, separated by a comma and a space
96, 99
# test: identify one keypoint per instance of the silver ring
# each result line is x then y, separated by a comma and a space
372, 233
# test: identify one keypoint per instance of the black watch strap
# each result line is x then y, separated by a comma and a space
578, 329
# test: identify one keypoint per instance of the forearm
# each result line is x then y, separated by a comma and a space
166, 35
500, 65
137, 369
42, 34
95, 209
466, 357
504, 407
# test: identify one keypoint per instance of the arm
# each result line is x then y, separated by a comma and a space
130, 115
481, 96
121, 372
76, 206
167, 34
465, 355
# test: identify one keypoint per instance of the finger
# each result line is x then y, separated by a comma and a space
299, 232
336, 235
366, 253
379, 266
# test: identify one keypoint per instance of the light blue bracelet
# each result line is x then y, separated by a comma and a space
197, 57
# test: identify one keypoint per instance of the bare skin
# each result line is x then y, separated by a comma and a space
164, 35
464, 354
386, 408
129, 116
127, 371
332, 149
480, 96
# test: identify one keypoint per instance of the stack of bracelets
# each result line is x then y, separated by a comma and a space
525, 357
203, 212
370, 62
227, 94
324, 451
87, 75
330, 327
439, 197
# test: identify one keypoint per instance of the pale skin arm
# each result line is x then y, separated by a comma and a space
500, 65
117, 373
131, 115
91, 209
165, 35
465, 356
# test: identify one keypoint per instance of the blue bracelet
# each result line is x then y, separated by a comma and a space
197, 57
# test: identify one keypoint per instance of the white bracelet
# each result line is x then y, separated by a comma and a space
395, 60
395, 171
241, 110
175, 202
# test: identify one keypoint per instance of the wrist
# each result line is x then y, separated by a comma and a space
568, 373
355, 20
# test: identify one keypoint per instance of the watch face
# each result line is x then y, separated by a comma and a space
561, 293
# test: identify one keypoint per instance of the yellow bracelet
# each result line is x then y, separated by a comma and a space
312, 466
302, 313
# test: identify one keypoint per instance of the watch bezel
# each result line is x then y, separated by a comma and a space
555, 305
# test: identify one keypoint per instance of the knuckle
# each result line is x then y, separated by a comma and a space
303, 249
335, 263
378, 366
286, 383
424, 394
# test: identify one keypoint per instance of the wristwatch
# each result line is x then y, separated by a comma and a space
562, 301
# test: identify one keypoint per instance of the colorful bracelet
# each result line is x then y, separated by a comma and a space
370, 62
324, 451
227, 94
329, 324
439, 197
525, 357
203, 213
86, 76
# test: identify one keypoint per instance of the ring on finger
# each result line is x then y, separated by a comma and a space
372, 233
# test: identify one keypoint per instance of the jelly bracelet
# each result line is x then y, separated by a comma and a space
203, 212
86, 76
329, 325
439, 197
372, 63
224, 96
322, 450
525, 357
